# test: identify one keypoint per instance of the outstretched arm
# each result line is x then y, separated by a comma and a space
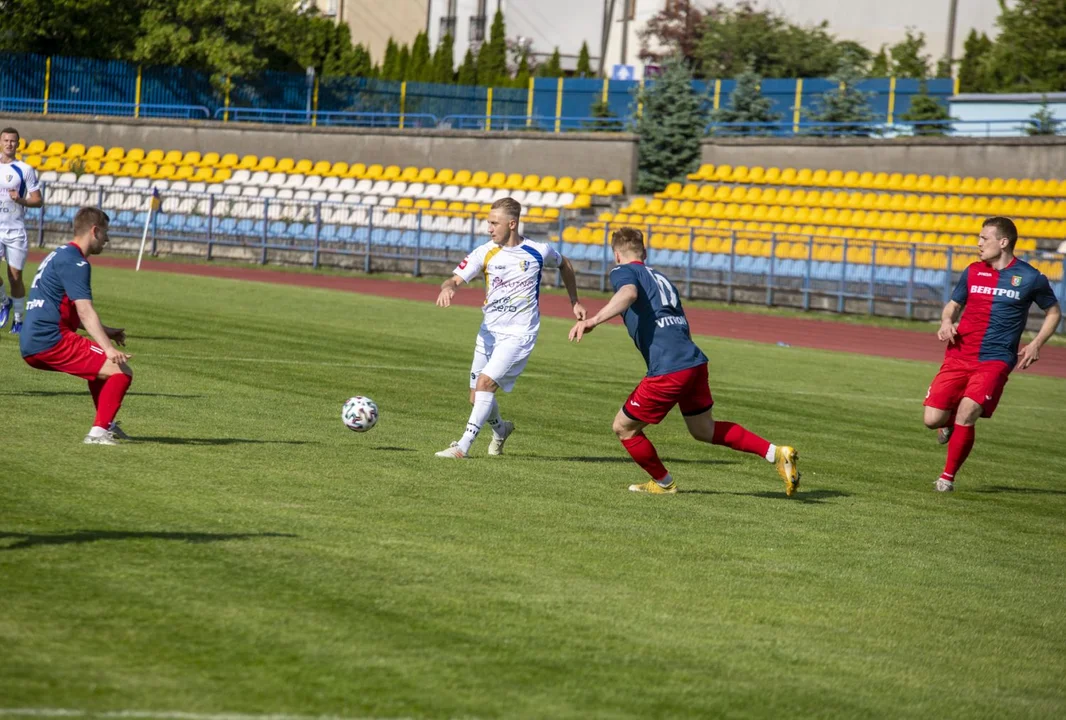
1031, 352
566, 269
447, 289
618, 304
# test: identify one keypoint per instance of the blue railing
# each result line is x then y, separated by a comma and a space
949, 128
311, 117
92, 107
374, 233
542, 123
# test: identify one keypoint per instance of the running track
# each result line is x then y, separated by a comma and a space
798, 332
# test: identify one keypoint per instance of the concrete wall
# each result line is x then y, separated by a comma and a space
591, 155
1036, 157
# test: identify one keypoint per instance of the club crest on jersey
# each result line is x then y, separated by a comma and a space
9, 176
1016, 280
525, 265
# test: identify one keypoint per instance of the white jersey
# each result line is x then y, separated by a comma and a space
15, 175
512, 283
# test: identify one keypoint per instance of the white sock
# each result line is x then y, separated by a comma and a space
495, 421
665, 482
771, 453
483, 401
18, 307
97, 431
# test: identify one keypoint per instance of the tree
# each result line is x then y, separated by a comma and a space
444, 61
845, 104
553, 68
907, 58
403, 61
521, 78
391, 62
492, 57
881, 66
1030, 53
972, 73
606, 121
468, 70
747, 105
669, 128
103, 29
678, 29
926, 109
420, 68
584, 63
733, 37
1042, 122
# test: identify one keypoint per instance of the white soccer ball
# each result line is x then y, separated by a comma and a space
360, 414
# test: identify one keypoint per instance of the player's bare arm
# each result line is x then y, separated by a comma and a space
618, 304
1031, 352
91, 322
949, 322
33, 200
447, 290
566, 269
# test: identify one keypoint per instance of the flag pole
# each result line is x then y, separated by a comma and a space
153, 204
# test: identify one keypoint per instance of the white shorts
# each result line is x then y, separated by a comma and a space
501, 357
14, 249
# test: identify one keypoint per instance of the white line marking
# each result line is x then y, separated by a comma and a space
160, 714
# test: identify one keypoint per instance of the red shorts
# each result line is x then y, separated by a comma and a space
74, 355
656, 396
982, 382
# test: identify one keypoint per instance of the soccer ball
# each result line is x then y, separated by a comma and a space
359, 414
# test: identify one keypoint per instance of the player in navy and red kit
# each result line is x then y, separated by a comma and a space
677, 370
996, 292
61, 301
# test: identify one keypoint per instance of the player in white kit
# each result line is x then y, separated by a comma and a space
511, 265
19, 189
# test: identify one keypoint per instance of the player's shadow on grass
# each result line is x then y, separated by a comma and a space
165, 440
390, 448
25, 541
79, 393
811, 497
621, 459
1018, 490
164, 337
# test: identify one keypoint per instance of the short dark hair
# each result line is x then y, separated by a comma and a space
11, 131
628, 240
1005, 229
509, 206
88, 217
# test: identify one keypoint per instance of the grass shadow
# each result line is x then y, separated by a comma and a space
79, 393
620, 459
1018, 490
164, 337
390, 448
79, 537
164, 440
811, 497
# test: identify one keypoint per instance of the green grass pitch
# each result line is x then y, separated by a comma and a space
250, 555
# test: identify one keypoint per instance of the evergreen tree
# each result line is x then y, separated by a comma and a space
521, 78
420, 68
1042, 122
492, 56
907, 58
584, 63
1030, 53
925, 108
973, 76
881, 67
846, 103
746, 105
390, 63
606, 121
553, 68
468, 70
403, 61
670, 128
444, 61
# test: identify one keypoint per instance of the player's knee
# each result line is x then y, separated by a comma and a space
486, 384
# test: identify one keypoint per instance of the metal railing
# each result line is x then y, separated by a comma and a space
92, 107
947, 128
312, 117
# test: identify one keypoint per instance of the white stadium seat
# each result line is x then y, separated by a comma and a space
259, 178
87, 179
312, 182
49, 176
250, 191
329, 184
353, 199
240, 176
68, 177
398, 189
277, 179
346, 185
294, 181
450, 192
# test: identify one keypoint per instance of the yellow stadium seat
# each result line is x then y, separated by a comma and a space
35, 147
153, 156
513, 181
496, 181
247, 162
338, 169
373, 172
476, 179
127, 170
564, 184
209, 160
408, 175
116, 154
392, 172
439, 205
109, 167
135, 155
221, 175
283, 165
803, 177
535, 211
184, 172
551, 213
320, 168
95, 152
581, 201
405, 202
266, 163
75, 150
597, 187
835, 179
172, 157
165, 172
355, 170
530, 182
426, 175
580, 185
34, 161
722, 173
54, 162
302, 167
146, 170
190, 158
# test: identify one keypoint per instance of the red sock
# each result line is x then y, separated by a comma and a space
959, 447
643, 452
734, 436
111, 394
95, 386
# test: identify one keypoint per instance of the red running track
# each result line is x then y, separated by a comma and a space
737, 325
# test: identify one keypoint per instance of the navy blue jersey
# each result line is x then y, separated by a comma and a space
656, 321
996, 309
62, 277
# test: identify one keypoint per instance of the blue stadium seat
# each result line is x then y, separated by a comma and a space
345, 233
